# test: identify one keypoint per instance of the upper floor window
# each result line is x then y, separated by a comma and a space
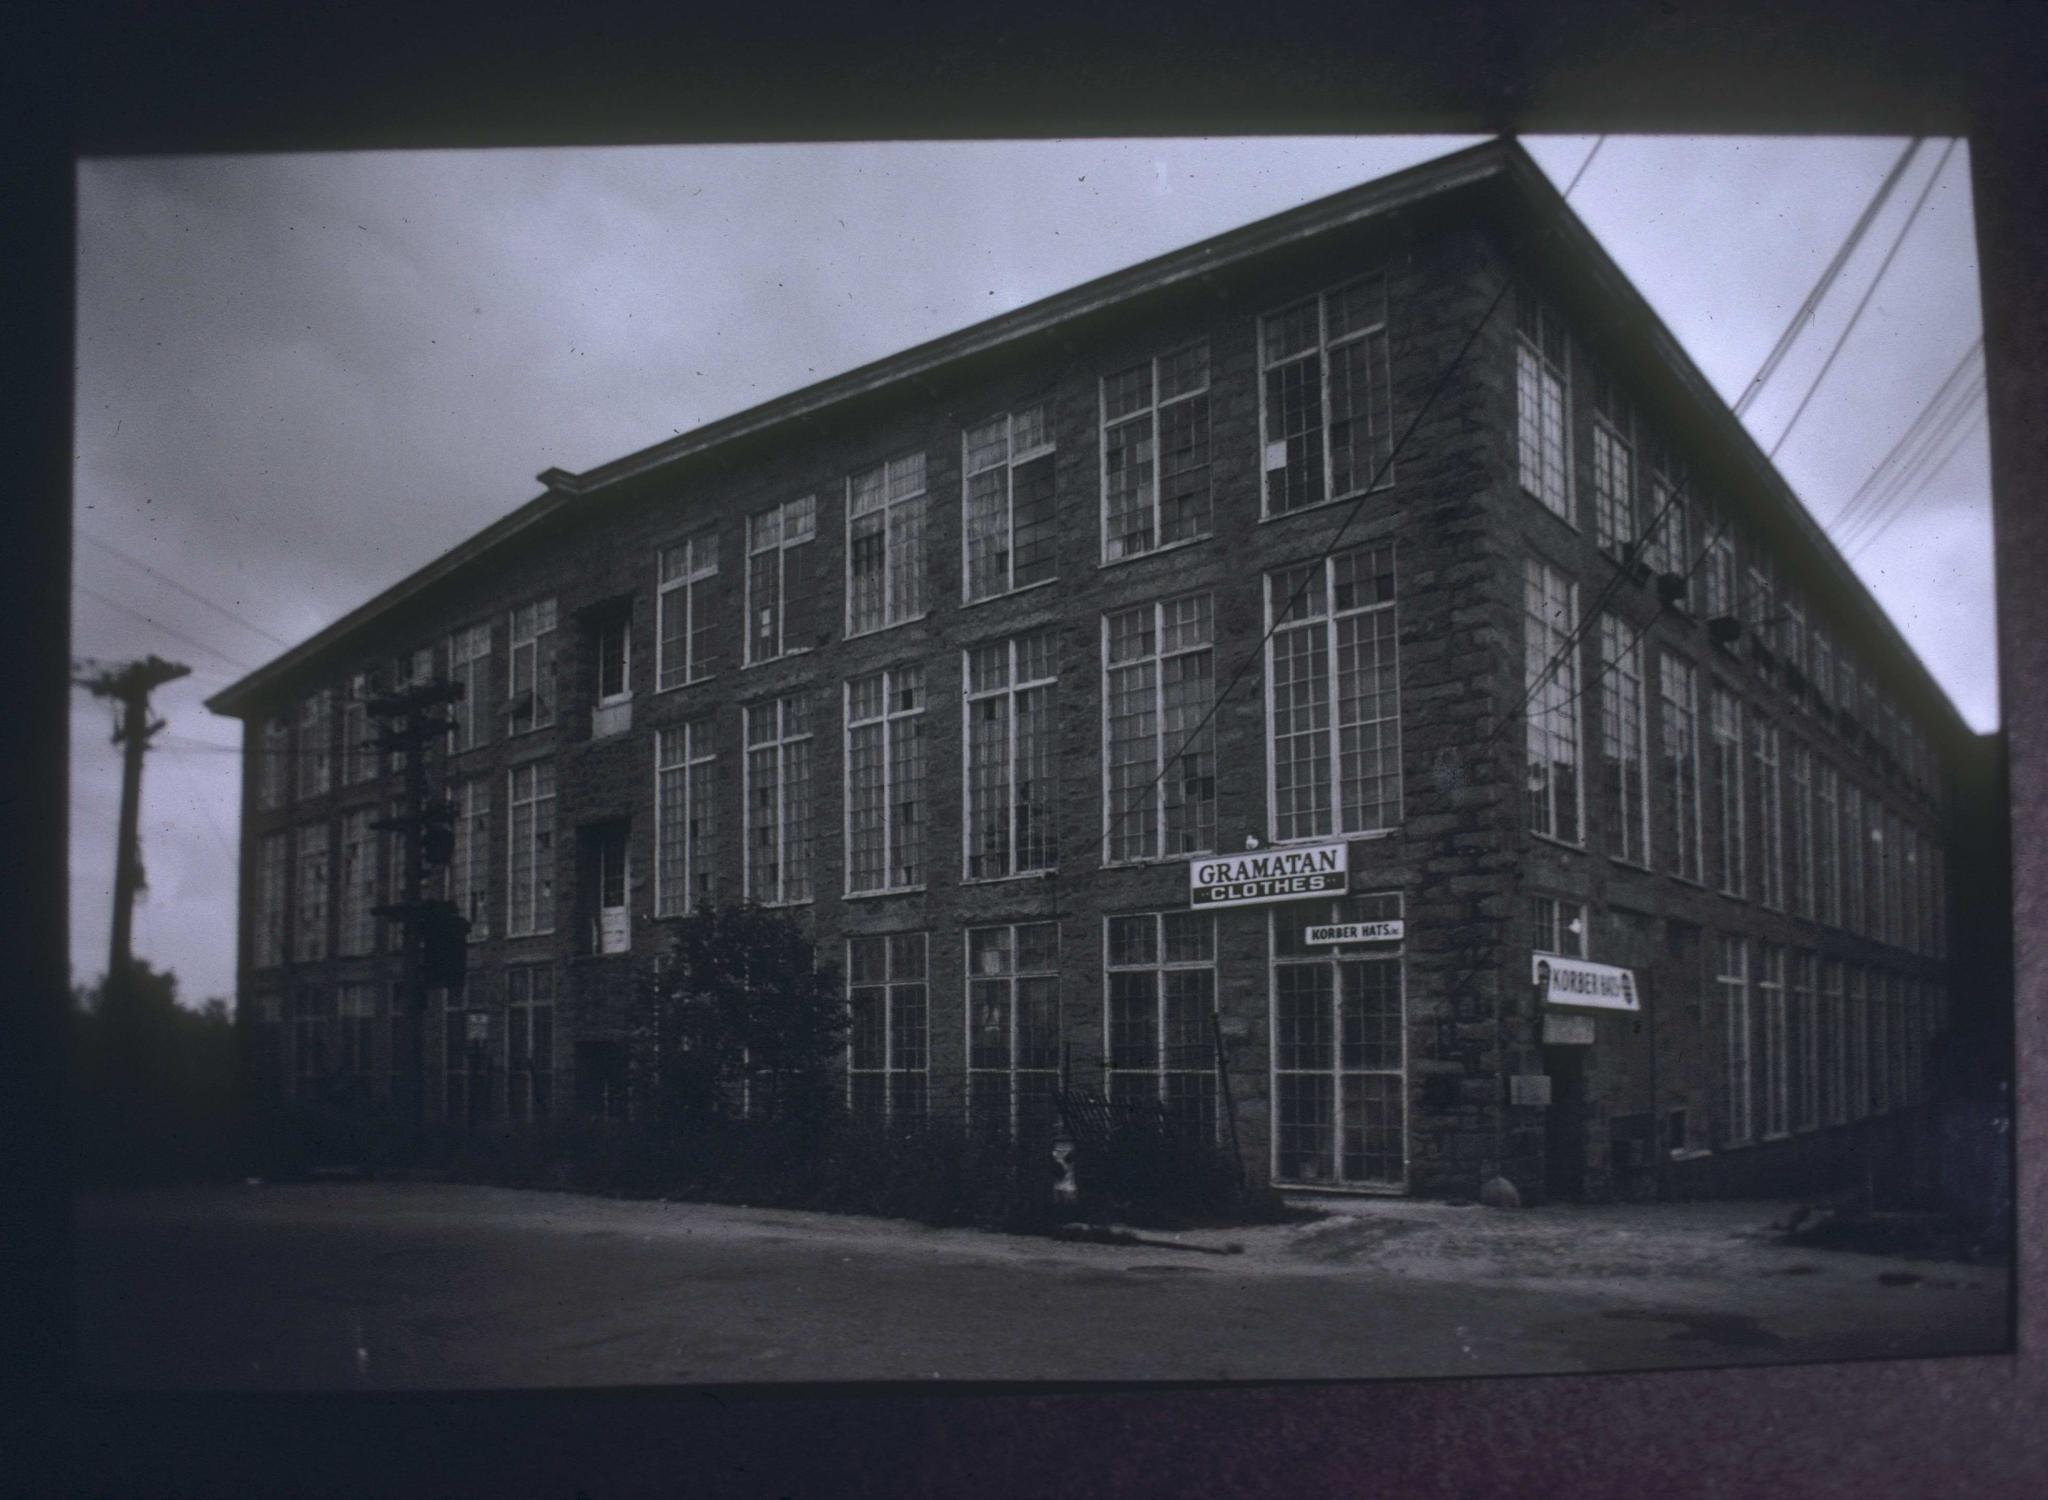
778, 794
1727, 731
1009, 502
1614, 464
885, 772
1668, 522
1328, 416
1681, 703
885, 544
267, 922
1717, 583
1551, 688
1012, 757
1558, 926
1770, 844
1800, 847
1155, 453
470, 871
273, 770
684, 810
531, 681
684, 606
1625, 743
780, 543
1542, 442
1159, 684
1336, 719
310, 939
358, 750
358, 928
316, 743
530, 901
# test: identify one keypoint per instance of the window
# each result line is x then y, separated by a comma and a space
1848, 698
1791, 619
414, 669
1911, 889
316, 743
1757, 612
1542, 450
1669, 519
1858, 1050
1770, 987
885, 791
614, 657
358, 1007
606, 865
466, 1039
1159, 685
358, 934
779, 800
1877, 883
1770, 844
469, 658
1159, 1000
1937, 876
1013, 1029
1827, 844
268, 918
685, 810
531, 681
885, 545
781, 542
1831, 1079
1680, 682
1614, 491
1881, 1100
1551, 679
1335, 724
530, 1042
1625, 742
310, 940
1718, 581
395, 889
1800, 851
1012, 739
886, 1042
1822, 652
530, 903
314, 1050
1802, 1042
1008, 531
358, 750
1739, 1098
685, 604
1339, 1054
1155, 454
1327, 416
273, 774
470, 871
1557, 926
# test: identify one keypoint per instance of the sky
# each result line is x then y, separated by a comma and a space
301, 377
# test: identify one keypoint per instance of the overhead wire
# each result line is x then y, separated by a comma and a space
1902, 486
1881, 472
175, 634
193, 594
1981, 418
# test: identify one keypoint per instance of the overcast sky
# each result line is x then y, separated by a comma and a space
302, 377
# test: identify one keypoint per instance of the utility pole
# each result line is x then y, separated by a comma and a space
410, 719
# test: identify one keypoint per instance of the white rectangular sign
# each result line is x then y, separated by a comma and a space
1269, 875
1568, 1031
1575, 981
1356, 932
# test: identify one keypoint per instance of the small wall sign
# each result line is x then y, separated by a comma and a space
1270, 875
1356, 932
1574, 981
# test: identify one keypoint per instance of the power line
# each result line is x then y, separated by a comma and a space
176, 635
1942, 463
193, 594
1903, 485
1878, 476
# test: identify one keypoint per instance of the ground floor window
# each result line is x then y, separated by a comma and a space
1340, 1107
1738, 1113
1159, 1001
466, 1075
530, 1042
887, 1053
1013, 1033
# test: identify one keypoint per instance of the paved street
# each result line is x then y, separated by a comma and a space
396, 1285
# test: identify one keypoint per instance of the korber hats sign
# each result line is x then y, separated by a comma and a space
1272, 875
1574, 981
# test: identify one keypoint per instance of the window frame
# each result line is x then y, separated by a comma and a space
1160, 766
1045, 451
792, 887
1153, 414
539, 646
890, 983
695, 770
911, 571
1562, 673
1014, 686
785, 514
699, 564
1160, 965
1537, 330
539, 873
884, 724
1380, 471
1007, 981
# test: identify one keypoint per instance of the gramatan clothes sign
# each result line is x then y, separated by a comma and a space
1271, 875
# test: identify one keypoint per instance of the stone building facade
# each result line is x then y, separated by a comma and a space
1396, 523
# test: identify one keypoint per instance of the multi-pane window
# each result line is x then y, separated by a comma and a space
1159, 684
313, 1040
1800, 847
1877, 882
273, 772
685, 807
886, 804
530, 901
885, 544
413, 669
1624, 744
1827, 844
1912, 890
469, 660
1857, 1024
1717, 582
272, 875
1802, 1041
1339, 1054
1155, 453
470, 871
309, 939
1551, 679
1757, 610
395, 887
887, 1045
1614, 493
358, 751
1770, 991
612, 636
1012, 742
1542, 454
466, 1066
1160, 996
1848, 697
1937, 900
1557, 926
1013, 1030
685, 606
781, 542
1727, 732
530, 1042
1328, 417
1008, 529
1791, 618
1894, 880
1336, 715
1770, 842
358, 1033
1822, 653
1855, 913
1681, 701
530, 681
358, 927
1880, 1046
1669, 519
1738, 1094
1831, 1076
779, 800
316, 743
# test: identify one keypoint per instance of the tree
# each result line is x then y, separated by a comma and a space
744, 1017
